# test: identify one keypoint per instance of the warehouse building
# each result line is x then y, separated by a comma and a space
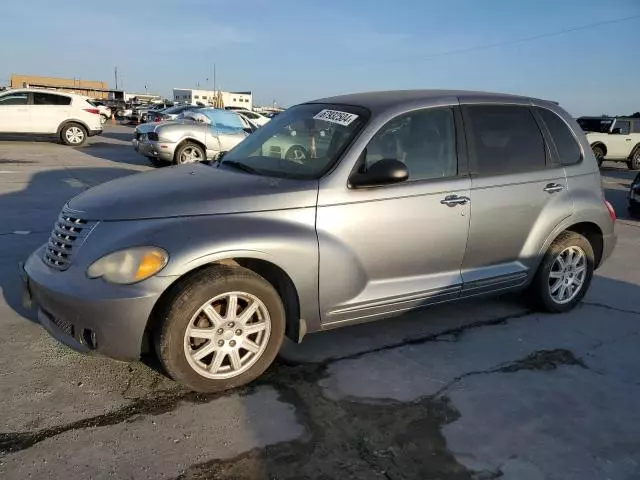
89, 88
213, 97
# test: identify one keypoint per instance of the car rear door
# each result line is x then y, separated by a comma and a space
518, 195
392, 248
49, 110
619, 141
15, 112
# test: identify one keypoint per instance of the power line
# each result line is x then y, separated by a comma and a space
511, 42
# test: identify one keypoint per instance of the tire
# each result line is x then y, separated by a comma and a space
634, 161
73, 134
540, 291
182, 310
598, 151
189, 152
296, 153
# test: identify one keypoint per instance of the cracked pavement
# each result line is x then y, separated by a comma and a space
477, 390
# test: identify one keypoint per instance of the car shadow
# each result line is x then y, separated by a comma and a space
122, 136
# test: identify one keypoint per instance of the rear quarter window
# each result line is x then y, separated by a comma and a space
50, 99
567, 146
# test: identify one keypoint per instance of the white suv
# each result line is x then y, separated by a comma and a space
615, 139
70, 117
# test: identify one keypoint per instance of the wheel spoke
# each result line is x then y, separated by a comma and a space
556, 286
203, 351
570, 288
217, 362
232, 307
234, 355
580, 270
213, 316
254, 328
569, 259
555, 275
563, 291
561, 263
250, 346
248, 312
202, 333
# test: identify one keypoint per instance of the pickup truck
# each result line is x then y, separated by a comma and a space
614, 139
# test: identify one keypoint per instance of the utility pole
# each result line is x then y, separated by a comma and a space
115, 73
214, 78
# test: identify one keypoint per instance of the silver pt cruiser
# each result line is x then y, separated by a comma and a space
415, 198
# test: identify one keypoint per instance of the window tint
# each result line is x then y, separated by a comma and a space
424, 140
52, 99
636, 126
227, 120
566, 144
18, 98
504, 139
623, 126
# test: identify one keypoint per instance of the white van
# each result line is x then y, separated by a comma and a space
33, 111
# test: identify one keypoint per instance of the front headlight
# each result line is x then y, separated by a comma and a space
129, 266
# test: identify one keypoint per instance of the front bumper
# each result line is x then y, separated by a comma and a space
97, 131
160, 150
91, 315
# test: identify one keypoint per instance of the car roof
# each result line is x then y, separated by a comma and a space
381, 100
45, 90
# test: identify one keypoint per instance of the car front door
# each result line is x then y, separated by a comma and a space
619, 141
14, 112
387, 249
518, 195
48, 111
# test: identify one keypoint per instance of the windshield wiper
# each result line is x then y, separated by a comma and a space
240, 166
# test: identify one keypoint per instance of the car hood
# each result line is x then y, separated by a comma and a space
188, 190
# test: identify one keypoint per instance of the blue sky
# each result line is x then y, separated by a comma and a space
296, 50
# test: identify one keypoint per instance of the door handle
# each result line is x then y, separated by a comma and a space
553, 188
453, 200
627, 140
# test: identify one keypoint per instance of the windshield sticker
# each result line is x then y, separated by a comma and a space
335, 116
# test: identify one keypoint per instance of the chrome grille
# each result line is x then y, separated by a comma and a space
68, 234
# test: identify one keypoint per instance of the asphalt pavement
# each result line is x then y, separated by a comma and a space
477, 390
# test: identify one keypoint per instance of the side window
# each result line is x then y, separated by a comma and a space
425, 140
50, 99
224, 120
566, 144
503, 139
636, 126
622, 127
18, 98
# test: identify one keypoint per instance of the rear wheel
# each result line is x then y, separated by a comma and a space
220, 328
189, 153
598, 151
634, 162
564, 275
73, 134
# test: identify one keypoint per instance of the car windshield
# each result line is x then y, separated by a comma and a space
600, 125
303, 142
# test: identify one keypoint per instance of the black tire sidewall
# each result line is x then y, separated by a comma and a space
187, 298
63, 135
540, 288
599, 158
178, 153
634, 163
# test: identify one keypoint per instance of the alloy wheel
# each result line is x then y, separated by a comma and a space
74, 135
567, 275
190, 155
227, 335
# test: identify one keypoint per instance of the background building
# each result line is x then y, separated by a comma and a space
208, 97
89, 88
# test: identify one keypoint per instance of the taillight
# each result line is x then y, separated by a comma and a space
612, 212
95, 111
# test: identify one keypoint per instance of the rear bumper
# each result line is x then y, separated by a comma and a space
93, 133
90, 316
160, 150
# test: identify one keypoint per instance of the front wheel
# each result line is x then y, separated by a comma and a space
564, 275
189, 153
219, 328
73, 134
598, 151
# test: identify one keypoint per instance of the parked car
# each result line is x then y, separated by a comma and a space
191, 138
256, 118
616, 139
33, 111
171, 113
124, 110
140, 113
634, 197
210, 266
105, 111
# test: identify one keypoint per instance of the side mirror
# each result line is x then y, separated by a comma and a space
384, 172
615, 131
